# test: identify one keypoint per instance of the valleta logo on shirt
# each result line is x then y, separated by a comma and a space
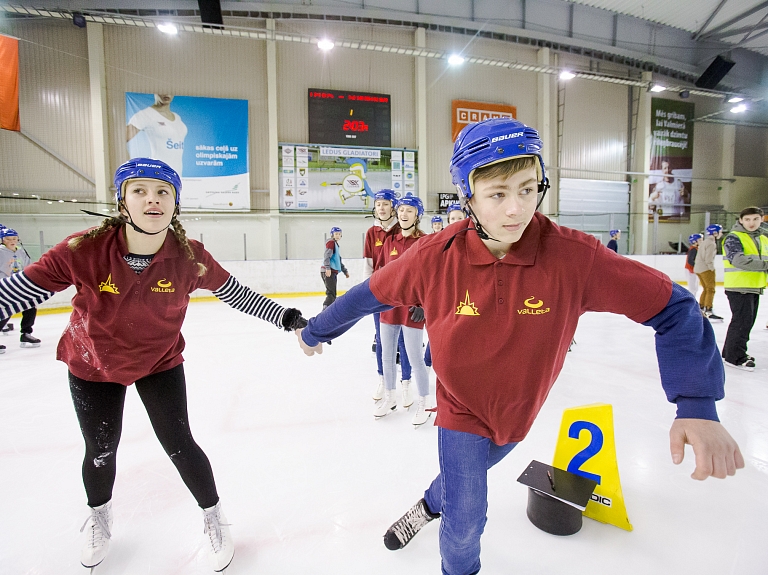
108, 286
533, 306
467, 307
378, 243
393, 252
163, 285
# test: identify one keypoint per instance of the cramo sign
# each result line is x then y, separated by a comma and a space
506, 137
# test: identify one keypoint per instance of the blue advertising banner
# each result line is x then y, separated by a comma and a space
204, 139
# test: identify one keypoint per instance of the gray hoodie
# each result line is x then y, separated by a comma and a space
734, 253
705, 256
12, 262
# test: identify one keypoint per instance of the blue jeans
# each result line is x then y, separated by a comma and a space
405, 365
428, 356
460, 494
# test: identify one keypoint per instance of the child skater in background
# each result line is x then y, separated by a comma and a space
384, 225
133, 275
408, 320
704, 266
690, 261
437, 224
455, 213
332, 265
13, 259
613, 243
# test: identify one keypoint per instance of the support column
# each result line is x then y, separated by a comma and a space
639, 189
727, 163
274, 186
97, 74
420, 40
544, 126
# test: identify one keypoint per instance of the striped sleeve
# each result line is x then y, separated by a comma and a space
246, 300
18, 293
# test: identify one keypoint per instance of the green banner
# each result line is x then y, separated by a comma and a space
671, 160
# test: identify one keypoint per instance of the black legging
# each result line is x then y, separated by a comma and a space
99, 407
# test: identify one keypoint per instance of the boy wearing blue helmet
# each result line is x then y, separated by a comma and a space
332, 265
13, 259
133, 275
704, 267
502, 300
613, 243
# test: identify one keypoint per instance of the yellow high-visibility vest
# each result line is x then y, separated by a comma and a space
738, 278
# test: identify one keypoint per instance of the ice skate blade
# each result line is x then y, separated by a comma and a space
25, 344
224, 569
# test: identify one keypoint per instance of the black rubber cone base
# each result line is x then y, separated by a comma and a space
551, 515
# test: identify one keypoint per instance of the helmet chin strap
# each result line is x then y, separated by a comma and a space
137, 228
416, 221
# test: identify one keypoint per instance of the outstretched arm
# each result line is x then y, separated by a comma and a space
339, 317
246, 300
693, 378
18, 293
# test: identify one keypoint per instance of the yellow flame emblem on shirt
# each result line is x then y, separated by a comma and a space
393, 252
467, 307
108, 286
378, 243
536, 305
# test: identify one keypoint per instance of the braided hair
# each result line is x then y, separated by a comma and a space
120, 220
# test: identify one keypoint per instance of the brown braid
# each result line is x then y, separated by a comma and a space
181, 235
108, 224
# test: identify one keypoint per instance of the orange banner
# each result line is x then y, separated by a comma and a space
466, 112
9, 84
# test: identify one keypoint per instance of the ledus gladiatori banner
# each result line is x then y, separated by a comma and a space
204, 139
337, 178
671, 160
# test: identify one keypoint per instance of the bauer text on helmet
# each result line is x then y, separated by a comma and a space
146, 168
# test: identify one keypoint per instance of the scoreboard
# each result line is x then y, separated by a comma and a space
349, 118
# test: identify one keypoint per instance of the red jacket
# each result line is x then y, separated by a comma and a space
394, 247
124, 325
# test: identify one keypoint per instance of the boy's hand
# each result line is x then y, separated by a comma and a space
716, 452
327, 273
310, 351
346, 274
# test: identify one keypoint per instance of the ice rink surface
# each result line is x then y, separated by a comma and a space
310, 482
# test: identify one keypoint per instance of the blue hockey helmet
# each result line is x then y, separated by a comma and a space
386, 194
335, 229
147, 168
693, 238
8, 233
413, 201
614, 232
437, 219
713, 229
492, 141
455, 207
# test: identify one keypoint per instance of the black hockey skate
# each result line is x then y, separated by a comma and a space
28, 340
6, 328
405, 528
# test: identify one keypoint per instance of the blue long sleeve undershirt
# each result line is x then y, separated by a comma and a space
691, 369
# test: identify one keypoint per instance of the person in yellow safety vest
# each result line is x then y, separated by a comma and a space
746, 275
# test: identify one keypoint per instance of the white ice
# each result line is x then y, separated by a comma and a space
310, 482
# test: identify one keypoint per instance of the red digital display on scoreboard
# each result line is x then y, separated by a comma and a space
349, 118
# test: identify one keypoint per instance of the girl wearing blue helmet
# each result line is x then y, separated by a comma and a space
133, 276
407, 321
437, 224
455, 213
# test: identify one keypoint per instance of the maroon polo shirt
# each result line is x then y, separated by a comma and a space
394, 247
374, 240
500, 329
124, 325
